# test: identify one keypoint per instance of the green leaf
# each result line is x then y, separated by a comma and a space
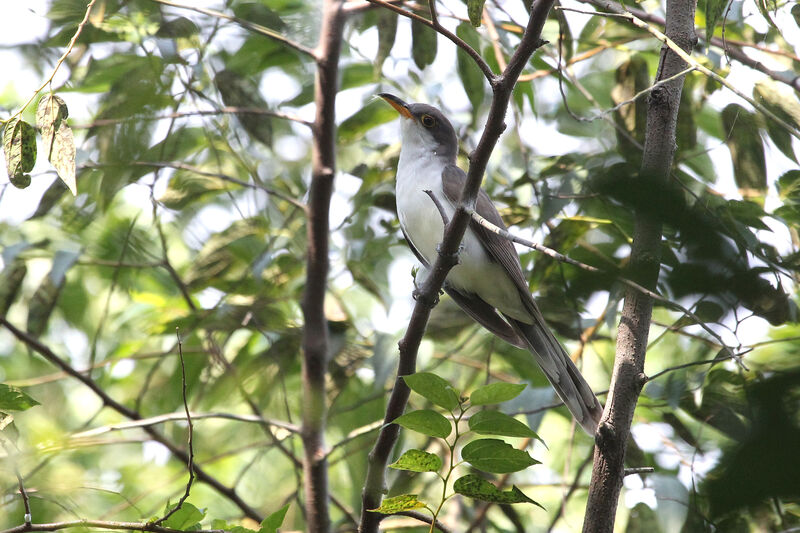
496, 456
497, 423
176, 28
418, 461
187, 187
471, 76
13, 399
423, 42
785, 105
714, 10
10, 283
432, 387
426, 422
747, 150
387, 30
396, 504
478, 488
185, 518
496, 393
19, 149
356, 125
475, 11
274, 521
57, 138
239, 91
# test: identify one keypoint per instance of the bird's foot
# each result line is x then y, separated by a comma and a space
454, 258
419, 295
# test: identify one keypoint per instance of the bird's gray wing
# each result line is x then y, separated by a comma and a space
498, 248
550, 355
481, 312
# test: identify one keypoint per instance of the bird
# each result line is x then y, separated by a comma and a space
487, 283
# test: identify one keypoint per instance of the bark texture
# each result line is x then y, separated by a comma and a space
628, 374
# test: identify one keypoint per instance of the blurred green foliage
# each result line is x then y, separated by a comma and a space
186, 218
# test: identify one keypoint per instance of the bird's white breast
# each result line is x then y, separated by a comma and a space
422, 223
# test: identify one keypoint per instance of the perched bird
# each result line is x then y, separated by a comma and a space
487, 282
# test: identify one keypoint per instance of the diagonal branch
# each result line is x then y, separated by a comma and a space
434, 24
447, 258
246, 24
108, 401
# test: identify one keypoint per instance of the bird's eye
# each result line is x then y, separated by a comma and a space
428, 121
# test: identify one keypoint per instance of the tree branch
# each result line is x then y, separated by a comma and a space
202, 475
434, 24
315, 331
246, 24
447, 258
628, 376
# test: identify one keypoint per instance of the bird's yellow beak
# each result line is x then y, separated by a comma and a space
399, 105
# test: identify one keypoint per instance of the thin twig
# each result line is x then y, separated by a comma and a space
223, 177
108, 401
190, 444
103, 524
226, 110
677, 50
583, 266
70, 46
246, 24
476, 57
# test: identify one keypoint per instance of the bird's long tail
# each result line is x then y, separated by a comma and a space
562, 373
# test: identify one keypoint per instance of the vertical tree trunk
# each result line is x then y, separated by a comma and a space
628, 375
315, 332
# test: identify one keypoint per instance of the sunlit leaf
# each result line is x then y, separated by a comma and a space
19, 149
271, 523
418, 461
186, 518
426, 422
497, 423
478, 488
496, 393
13, 399
496, 456
57, 138
434, 388
396, 504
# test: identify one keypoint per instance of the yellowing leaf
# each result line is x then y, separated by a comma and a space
57, 138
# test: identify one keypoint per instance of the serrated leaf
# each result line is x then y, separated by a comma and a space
396, 504
496, 393
19, 149
434, 388
423, 42
13, 399
475, 11
497, 423
426, 422
471, 76
496, 456
185, 518
714, 10
478, 488
57, 138
418, 461
271, 523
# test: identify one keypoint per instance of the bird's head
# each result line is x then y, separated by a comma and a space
424, 129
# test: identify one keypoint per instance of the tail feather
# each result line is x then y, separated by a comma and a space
562, 373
